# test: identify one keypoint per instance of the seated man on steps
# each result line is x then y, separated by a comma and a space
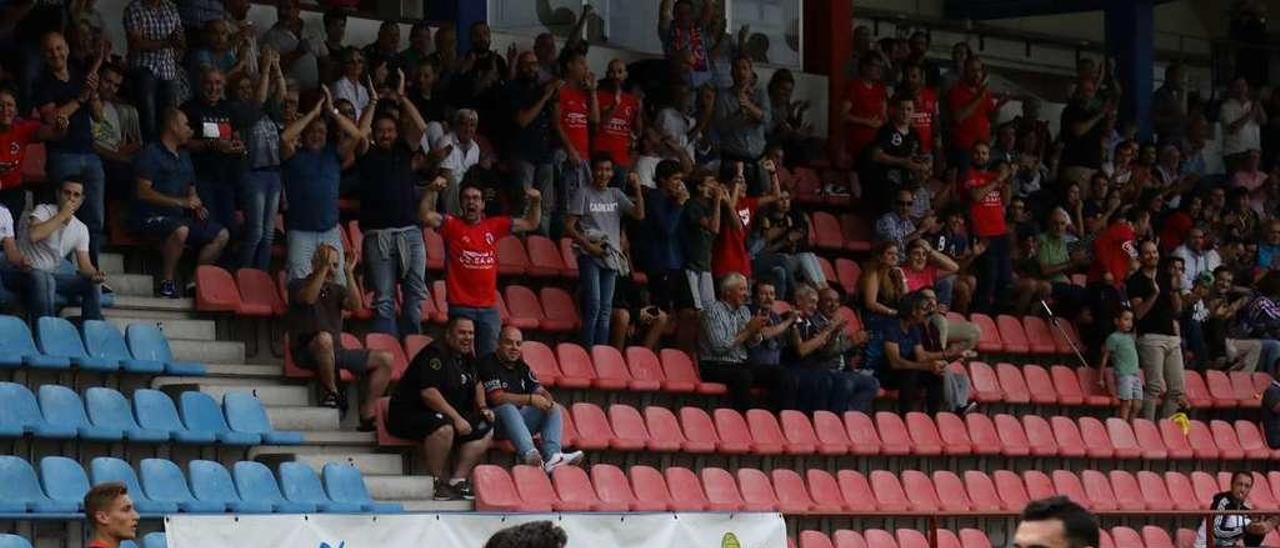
315, 333
50, 234
522, 405
440, 403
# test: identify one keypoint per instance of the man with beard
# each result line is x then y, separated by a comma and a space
533, 107
1155, 293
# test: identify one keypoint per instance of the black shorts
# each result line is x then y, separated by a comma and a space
199, 233
417, 426
670, 291
355, 360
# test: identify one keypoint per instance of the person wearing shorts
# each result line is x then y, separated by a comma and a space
315, 335
1121, 350
167, 207
440, 403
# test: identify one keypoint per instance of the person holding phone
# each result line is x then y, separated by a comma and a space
729, 329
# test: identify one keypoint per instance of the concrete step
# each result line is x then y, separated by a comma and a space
111, 263
136, 285
341, 437
132, 306
431, 506
399, 487
231, 352
195, 330
270, 395
263, 372
312, 419
378, 464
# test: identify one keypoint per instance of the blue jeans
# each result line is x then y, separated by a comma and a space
46, 286
86, 168
519, 423
597, 299
302, 245
1270, 353
488, 323
260, 195
13, 283
391, 258
152, 96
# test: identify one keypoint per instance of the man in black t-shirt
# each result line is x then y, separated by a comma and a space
523, 406
532, 108
1155, 295
440, 402
1082, 133
216, 148
894, 159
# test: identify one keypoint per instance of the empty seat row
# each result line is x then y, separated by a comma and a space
58, 345
150, 540
902, 538
251, 292
105, 415
160, 487
1067, 386
1029, 335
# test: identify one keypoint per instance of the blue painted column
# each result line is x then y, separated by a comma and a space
463, 13
1130, 33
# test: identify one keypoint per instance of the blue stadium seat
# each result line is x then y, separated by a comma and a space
108, 469
246, 414
211, 483
155, 411
58, 338
345, 484
154, 540
62, 408
103, 340
13, 541
128, 544
301, 484
256, 482
19, 413
201, 413
18, 349
64, 480
147, 342
20, 490
110, 409
164, 482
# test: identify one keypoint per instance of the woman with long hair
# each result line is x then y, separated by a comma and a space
882, 285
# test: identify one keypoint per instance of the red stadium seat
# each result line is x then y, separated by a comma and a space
593, 428
1039, 385
650, 489
1104, 540
1039, 336
534, 488
826, 231
863, 438
1012, 438
985, 386
258, 296
356, 238
828, 271
974, 538
1197, 391
1123, 440
699, 431
495, 492
1066, 385
1153, 494
1155, 537
1040, 436
414, 343
1039, 486
947, 539
512, 258
568, 431
982, 434
435, 249
686, 490
822, 486
576, 370
982, 492
569, 257
1147, 434
814, 539
439, 297
1012, 335
721, 489
664, 430
1242, 386
896, 439
1261, 381
1067, 435
628, 428
523, 307
1205, 486
678, 371
1067, 483
1261, 496
1065, 343
1012, 384
545, 260
610, 369
919, 426
1098, 488
645, 369
853, 324
1202, 444
953, 434
1012, 490
1220, 389
920, 491
542, 361
832, 439
1182, 492
384, 437
879, 538
561, 313
990, 340
911, 538
1272, 538
382, 341
758, 495
952, 496
857, 233
888, 492
847, 273
575, 491
856, 490
1175, 441
735, 437
768, 437
216, 290
1126, 537
1093, 394
613, 490
1097, 442
1251, 440
800, 437
1224, 436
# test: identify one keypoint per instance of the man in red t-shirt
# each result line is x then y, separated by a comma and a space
620, 120
15, 135
988, 190
865, 107
924, 118
575, 113
112, 518
971, 106
729, 250
471, 256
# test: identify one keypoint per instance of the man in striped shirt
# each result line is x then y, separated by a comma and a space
728, 329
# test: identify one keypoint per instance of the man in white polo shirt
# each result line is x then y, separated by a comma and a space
50, 234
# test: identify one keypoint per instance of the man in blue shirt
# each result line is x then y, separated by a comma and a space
167, 207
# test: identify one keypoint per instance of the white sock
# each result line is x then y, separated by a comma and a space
456, 481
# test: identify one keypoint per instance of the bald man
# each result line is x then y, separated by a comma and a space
522, 405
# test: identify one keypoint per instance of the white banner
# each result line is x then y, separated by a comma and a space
473, 529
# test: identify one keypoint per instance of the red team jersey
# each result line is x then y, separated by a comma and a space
1113, 250
615, 133
926, 103
13, 150
471, 268
729, 252
977, 127
866, 101
987, 212
574, 111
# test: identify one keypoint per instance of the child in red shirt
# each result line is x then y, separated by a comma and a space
988, 190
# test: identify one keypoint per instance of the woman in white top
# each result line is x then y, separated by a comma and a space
349, 85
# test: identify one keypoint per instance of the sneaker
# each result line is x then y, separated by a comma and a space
168, 289
443, 491
562, 459
967, 408
464, 490
330, 400
533, 458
